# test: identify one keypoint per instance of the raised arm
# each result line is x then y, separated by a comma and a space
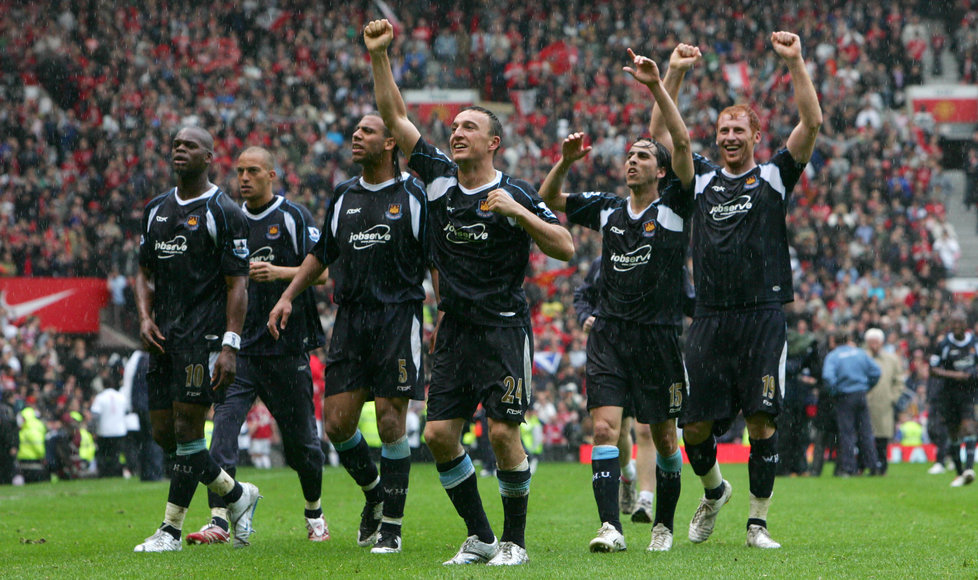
683, 57
801, 142
378, 35
570, 151
647, 72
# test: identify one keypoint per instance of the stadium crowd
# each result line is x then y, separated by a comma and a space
90, 98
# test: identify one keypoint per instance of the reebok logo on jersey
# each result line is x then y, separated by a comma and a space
378, 234
352, 211
175, 247
161, 218
618, 231
725, 211
637, 257
466, 234
263, 254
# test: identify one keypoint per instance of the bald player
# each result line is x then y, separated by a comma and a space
280, 235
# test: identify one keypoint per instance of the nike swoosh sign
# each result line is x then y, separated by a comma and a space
23, 309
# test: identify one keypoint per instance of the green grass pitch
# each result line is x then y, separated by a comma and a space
905, 525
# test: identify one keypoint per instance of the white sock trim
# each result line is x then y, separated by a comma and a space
371, 485
222, 484
523, 466
713, 477
628, 473
759, 507
174, 515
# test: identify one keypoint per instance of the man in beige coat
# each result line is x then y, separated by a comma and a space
882, 398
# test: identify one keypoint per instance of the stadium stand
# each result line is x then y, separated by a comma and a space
90, 98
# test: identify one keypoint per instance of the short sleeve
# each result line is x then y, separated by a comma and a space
528, 197
436, 170
324, 247
588, 209
233, 240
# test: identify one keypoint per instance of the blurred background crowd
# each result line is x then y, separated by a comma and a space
90, 97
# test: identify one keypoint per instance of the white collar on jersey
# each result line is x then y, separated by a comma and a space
632, 214
278, 201
964, 341
495, 181
726, 173
378, 186
206, 194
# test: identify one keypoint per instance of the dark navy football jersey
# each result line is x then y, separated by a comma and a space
642, 255
481, 256
957, 355
586, 295
740, 240
189, 247
374, 241
282, 235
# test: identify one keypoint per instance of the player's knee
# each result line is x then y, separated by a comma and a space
760, 426
643, 434
166, 441
503, 436
667, 445
339, 429
185, 430
391, 428
438, 438
604, 433
694, 433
